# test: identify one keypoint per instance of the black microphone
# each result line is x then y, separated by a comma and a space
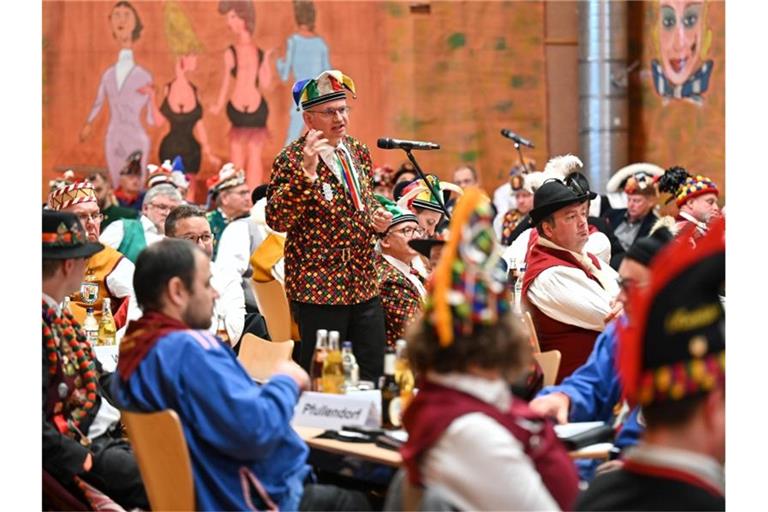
405, 144
515, 137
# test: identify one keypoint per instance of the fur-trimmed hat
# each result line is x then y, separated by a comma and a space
674, 345
637, 178
327, 86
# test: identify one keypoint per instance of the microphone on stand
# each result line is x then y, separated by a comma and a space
515, 137
408, 145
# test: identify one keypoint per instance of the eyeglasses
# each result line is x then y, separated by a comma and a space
85, 217
331, 112
627, 284
162, 207
410, 232
205, 238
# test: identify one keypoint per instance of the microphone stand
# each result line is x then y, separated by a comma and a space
436, 194
520, 155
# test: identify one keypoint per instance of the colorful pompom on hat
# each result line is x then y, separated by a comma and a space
69, 192
327, 86
637, 178
674, 345
399, 215
684, 186
227, 177
63, 237
467, 289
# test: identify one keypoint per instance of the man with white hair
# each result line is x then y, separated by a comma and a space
130, 236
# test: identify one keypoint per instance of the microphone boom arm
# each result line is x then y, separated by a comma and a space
435, 194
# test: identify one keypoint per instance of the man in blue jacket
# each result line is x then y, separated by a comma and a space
244, 452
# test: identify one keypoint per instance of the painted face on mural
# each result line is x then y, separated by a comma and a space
236, 23
123, 23
680, 36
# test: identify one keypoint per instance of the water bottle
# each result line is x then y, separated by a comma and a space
349, 362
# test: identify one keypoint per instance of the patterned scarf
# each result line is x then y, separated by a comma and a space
141, 336
692, 89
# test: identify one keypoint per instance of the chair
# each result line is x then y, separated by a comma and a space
260, 357
528, 321
161, 452
550, 364
273, 304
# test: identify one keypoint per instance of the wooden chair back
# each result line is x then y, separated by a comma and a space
528, 321
260, 357
273, 304
161, 451
550, 364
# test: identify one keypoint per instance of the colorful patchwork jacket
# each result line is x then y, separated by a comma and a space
400, 299
329, 249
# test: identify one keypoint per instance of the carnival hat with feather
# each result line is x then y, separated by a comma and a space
637, 178
399, 214
684, 186
567, 168
417, 194
327, 86
158, 174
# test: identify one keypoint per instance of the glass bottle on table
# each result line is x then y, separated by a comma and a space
107, 327
318, 358
333, 367
390, 392
91, 327
403, 374
349, 363
221, 329
519, 290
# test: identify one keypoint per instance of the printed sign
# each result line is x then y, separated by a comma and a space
329, 411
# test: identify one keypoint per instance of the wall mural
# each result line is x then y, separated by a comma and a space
122, 86
211, 81
682, 39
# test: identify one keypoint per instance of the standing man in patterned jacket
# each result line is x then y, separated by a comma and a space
321, 195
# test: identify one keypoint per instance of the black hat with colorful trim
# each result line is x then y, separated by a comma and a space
399, 215
674, 345
64, 237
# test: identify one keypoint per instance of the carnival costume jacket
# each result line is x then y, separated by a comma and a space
329, 250
399, 297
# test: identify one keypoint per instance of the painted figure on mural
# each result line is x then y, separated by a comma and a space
306, 55
247, 110
120, 85
181, 107
682, 40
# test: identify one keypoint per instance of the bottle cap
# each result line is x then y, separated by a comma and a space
346, 344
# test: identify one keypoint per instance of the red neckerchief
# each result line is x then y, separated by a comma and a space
141, 336
125, 197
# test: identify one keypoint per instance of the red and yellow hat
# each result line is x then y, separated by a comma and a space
66, 192
684, 186
673, 347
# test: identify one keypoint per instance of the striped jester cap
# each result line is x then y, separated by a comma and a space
328, 86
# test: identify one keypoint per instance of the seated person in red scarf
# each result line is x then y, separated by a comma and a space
81, 429
569, 292
695, 197
467, 434
238, 432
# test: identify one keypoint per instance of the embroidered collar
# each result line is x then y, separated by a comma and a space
698, 465
495, 392
690, 218
692, 88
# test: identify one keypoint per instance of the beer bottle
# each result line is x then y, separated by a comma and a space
333, 368
390, 392
403, 373
221, 329
91, 327
318, 358
107, 327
